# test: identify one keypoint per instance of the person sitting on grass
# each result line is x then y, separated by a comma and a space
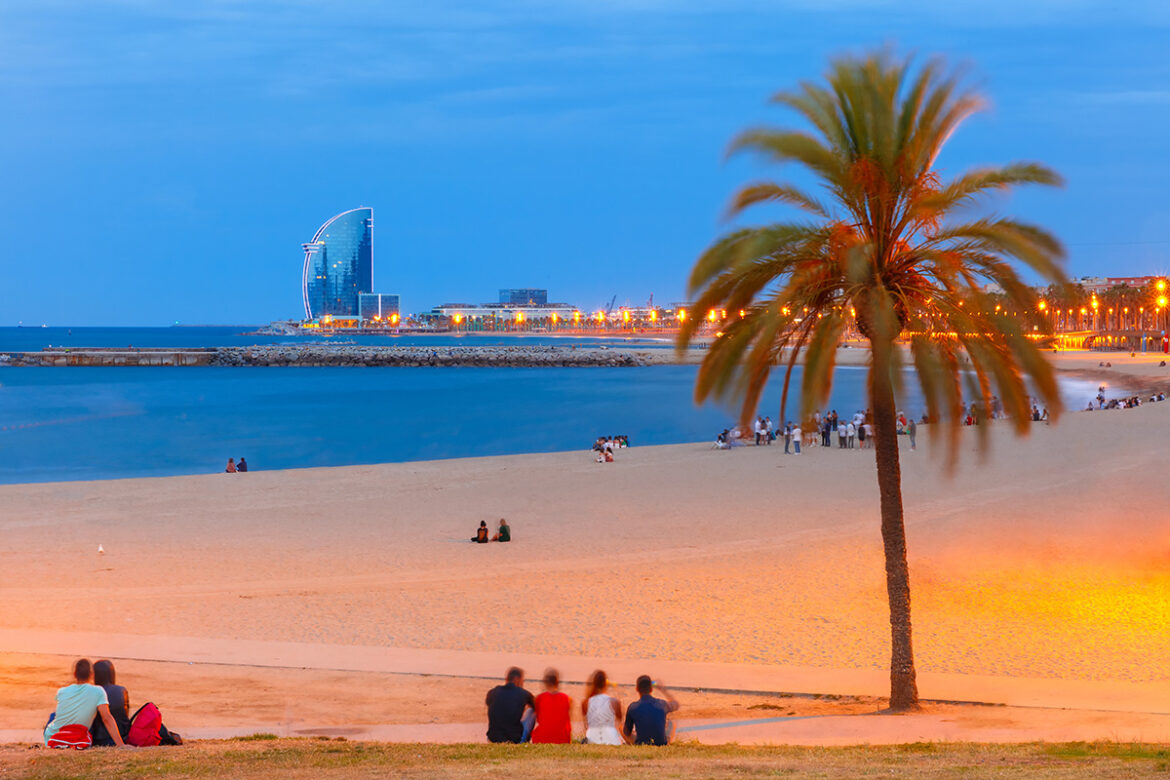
77, 706
552, 713
646, 722
509, 709
505, 532
482, 533
105, 677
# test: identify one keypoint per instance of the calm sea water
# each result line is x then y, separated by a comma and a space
101, 423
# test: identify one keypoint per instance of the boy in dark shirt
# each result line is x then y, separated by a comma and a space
507, 705
646, 718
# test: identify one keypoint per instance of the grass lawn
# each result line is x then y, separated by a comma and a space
261, 757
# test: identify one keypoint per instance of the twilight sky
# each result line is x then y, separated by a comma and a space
164, 161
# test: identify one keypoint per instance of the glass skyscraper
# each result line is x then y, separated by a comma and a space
338, 265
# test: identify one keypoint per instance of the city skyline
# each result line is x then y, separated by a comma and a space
187, 149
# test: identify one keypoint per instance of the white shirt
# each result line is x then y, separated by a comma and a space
796, 433
851, 430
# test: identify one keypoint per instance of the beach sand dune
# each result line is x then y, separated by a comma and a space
1048, 558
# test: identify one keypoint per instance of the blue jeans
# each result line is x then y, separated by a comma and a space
797, 445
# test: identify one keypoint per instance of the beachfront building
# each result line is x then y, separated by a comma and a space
501, 316
524, 295
377, 307
338, 265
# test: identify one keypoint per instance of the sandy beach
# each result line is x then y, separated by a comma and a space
1044, 559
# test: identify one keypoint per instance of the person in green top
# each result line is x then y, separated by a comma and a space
505, 532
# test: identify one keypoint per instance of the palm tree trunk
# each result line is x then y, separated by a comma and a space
903, 679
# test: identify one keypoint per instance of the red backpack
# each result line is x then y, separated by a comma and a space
145, 726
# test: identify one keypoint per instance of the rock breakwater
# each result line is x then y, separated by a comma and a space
355, 356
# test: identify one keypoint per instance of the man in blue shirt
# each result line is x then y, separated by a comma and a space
646, 718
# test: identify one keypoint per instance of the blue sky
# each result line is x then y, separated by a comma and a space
163, 161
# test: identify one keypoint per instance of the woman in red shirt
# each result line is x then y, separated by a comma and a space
552, 712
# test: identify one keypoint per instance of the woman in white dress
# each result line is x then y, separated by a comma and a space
602, 712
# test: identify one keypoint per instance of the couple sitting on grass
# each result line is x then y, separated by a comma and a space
94, 710
504, 534
514, 715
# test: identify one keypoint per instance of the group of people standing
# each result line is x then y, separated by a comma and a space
855, 432
515, 715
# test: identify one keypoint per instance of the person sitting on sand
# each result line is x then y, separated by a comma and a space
602, 712
77, 706
508, 705
646, 722
552, 713
504, 534
481, 534
242, 466
231, 467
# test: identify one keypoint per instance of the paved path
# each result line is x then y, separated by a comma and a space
983, 724
1151, 698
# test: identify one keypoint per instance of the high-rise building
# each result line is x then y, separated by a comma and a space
377, 306
524, 296
338, 264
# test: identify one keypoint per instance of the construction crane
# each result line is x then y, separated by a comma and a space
609, 308
650, 303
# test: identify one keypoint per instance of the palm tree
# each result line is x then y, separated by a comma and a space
886, 251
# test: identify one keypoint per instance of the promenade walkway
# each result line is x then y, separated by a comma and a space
1051, 710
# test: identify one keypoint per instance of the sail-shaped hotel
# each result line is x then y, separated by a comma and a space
337, 276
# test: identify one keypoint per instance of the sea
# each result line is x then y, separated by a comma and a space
64, 424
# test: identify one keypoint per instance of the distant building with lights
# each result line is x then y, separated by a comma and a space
524, 296
378, 307
337, 274
1100, 284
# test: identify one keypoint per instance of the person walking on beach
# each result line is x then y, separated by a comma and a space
646, 722
507, 706
602, 712
231, 467
552, 713
912, 430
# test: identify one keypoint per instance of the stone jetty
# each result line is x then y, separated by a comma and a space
343, 355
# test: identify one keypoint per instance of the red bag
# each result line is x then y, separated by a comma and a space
73, 737
145, 726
